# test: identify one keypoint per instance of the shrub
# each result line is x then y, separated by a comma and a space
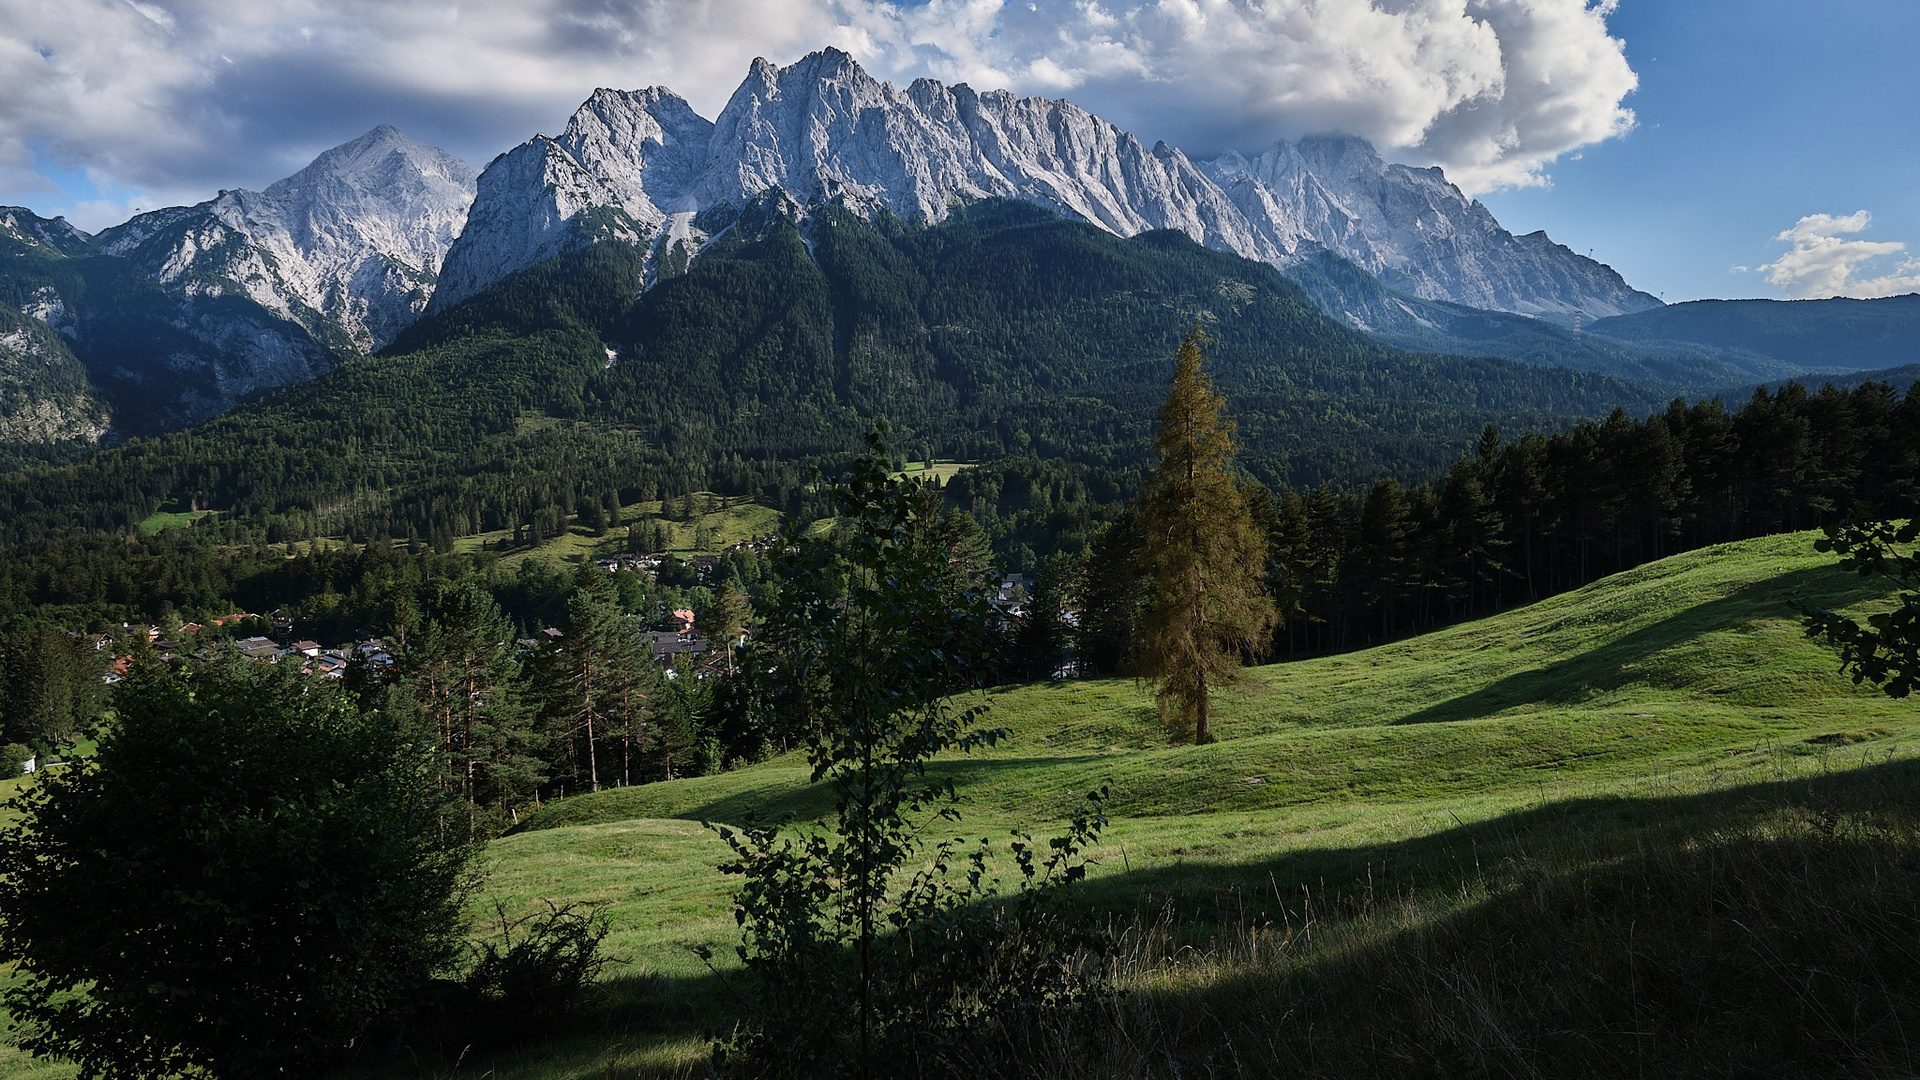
240, 882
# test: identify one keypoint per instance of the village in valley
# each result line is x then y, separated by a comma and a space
675, 638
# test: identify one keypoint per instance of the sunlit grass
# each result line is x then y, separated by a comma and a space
727, 527
1647, 702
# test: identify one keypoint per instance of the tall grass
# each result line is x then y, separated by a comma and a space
1771, 930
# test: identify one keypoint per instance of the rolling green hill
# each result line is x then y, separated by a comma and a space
1629, 702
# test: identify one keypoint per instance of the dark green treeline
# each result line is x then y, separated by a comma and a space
1517, 520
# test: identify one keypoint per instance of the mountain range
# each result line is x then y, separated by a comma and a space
181, 313
643, 166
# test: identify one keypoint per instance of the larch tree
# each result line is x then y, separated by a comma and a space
1203, 553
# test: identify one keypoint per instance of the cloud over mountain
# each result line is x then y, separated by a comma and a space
1822, 262
175, 97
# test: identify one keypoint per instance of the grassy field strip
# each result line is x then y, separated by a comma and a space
658, 879
728, 527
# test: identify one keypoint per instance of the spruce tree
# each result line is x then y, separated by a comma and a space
593, 679
1203, 552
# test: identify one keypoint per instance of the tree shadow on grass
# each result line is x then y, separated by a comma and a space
812, 802
1763, 930
771, 801
618, 1020
1609, 666
1599, 826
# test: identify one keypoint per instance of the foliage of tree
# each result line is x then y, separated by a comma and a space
240, 882
1886, 651
461, 672
599, 683
1205, 557
1515, 520
50, 688
863, 953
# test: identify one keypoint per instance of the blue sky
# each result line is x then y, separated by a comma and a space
1672, 139
1751, 115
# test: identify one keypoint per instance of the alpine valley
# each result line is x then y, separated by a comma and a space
629, 610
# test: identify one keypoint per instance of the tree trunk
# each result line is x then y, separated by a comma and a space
1202, 734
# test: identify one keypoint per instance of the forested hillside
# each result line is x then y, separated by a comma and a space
1003, 330
1780, 338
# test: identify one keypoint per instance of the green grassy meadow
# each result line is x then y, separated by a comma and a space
941, 472
1675, 681
1390, 792
727, 527
170, 519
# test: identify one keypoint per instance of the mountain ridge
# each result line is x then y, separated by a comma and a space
822, 129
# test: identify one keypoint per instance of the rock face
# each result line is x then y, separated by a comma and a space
638, 166
181, 312
44, 393
1414, 231
28, 231
347, 248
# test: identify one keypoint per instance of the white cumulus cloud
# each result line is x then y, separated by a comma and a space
1821, 262
172, 98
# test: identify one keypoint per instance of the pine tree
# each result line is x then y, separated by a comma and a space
1110, 591
1206, 558
593, 677
462, 674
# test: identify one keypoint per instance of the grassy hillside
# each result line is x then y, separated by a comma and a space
1366, 821
1589, 712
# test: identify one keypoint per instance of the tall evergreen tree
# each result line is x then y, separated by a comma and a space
1110, 593
592, 676
462, 674
726, 620
1206, 558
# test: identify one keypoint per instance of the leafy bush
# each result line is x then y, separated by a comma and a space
863, 947
240, 883
535, 973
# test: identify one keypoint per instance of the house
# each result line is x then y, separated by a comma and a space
307, 649
259, 648
681, 621
668, 645
552, 633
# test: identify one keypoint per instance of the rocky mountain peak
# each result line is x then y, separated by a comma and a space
823, 129
30, 230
